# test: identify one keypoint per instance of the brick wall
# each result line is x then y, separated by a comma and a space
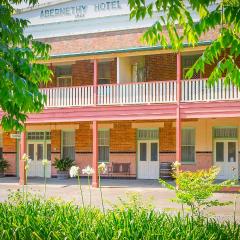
82, 73
55, 148
161, 67
9, 153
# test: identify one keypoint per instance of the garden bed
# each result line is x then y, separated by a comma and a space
35, 218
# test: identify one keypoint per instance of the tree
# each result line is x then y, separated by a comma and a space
20, 74
225, 18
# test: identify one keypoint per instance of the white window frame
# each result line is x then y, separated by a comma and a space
189, 145
100, 144
62, 141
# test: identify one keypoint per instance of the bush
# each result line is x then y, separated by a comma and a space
52, 219
3, 164
63, 164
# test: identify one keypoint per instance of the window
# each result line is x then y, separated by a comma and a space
64, 75
38, 135
225, 132
148, 134
187, 63
1, 146
103, 145
68, 144
188, 145
104, 72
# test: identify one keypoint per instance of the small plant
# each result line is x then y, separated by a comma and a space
63, 164
195, 188
101, 170
3, 165
74, 172
89, 171
45, 163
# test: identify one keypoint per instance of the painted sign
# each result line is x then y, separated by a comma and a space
79, 10
15, 135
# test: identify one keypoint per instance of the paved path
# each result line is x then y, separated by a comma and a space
113, 189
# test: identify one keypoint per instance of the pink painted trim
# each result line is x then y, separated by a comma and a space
95, 180
178, 112
23, 148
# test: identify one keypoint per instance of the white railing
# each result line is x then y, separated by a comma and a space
69, 96
198, 90
140, 93
137, 93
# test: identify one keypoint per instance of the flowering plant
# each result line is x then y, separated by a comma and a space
88, 170
74, 171
102, 168
44, 162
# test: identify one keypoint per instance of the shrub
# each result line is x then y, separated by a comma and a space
54, 219
63, 164
3, 165
194, 189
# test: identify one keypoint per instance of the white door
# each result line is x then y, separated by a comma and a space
226, 158
36, 152
148, 162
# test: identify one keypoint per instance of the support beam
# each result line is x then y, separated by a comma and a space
95, 82
95, 182
178, 113
23, 148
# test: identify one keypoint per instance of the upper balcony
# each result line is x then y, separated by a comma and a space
132, 80
195, 90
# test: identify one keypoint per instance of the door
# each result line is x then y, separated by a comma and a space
226, 158
148, 162
36, 152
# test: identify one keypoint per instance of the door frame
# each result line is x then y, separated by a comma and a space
148, 141
226, 140
44, 142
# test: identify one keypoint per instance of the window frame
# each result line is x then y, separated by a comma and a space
105, 78
187, 145
62, 134
104, 145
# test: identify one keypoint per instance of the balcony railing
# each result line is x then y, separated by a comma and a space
140, 93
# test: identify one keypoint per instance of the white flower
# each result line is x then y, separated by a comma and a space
177, 165
74, 171
88, 170
25, 157
44, 162
102, 168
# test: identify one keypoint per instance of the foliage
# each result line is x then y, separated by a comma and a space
195, 188
3, 164
54, 219
20, 75
222, 17
63, 164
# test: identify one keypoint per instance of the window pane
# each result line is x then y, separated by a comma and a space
231, 151
104, 72
188, 136
68, 138
143, 152
39, 152
65, 70
188, 153
154, 151
103, 154
31, 151
49, 152
68, 152
219, 152
1, 152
